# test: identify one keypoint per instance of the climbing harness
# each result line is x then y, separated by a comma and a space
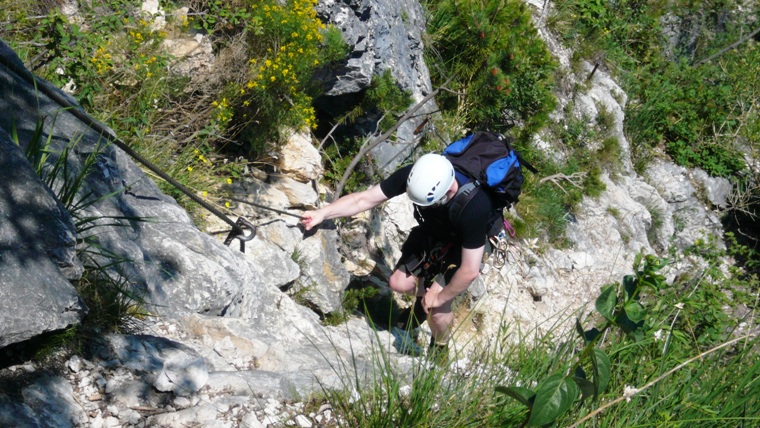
238, 228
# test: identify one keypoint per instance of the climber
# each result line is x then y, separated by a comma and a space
439, 260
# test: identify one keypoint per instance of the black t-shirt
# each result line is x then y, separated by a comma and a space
472, 227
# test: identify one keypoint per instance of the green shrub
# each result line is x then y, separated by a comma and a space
682, 107
687, 106
292, 43
502, 70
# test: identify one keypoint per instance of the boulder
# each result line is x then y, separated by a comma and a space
299, 158
37, 251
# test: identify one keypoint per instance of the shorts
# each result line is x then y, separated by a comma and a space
423, 256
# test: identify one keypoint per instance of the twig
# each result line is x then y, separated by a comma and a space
364, 150
727, 48
575, 179
633, 391
329, 135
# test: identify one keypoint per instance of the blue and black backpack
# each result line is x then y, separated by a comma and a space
489, 161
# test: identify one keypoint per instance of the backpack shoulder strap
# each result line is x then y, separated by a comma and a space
460, 200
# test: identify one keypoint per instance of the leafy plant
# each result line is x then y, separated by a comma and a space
110, 298
502, 70
223, 16
621, 307
291, 45
683, 91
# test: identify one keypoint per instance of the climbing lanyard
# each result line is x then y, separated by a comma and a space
243, 201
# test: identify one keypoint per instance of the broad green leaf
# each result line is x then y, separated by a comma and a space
606, 302
630, 285
523, 395
601, 363
585, 385
628, 325
637, 260
635, 311
554, 396
589, 335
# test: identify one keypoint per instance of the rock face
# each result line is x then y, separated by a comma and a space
227, 347
37, 239
382, 35
181, 272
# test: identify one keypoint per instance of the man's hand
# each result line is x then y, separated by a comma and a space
346, 206
312, 219
431, 299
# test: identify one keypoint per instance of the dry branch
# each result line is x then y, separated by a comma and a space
384, 136
576, 179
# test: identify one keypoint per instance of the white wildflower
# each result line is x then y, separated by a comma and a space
354, 397
658, 335
679, 305
629, 392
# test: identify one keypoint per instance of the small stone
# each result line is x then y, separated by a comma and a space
97, 422
182, 402
74, 364
95, 397
303, 422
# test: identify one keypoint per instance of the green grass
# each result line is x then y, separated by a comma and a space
111, 300
662, 374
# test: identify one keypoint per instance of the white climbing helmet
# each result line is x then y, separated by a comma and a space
430, 179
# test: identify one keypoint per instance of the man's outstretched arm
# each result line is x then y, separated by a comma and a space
345, 206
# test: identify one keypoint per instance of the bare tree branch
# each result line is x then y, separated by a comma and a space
727, 48
377, 140
576, 179
633, 391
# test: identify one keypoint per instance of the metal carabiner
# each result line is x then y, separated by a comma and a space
499, 244
238, 233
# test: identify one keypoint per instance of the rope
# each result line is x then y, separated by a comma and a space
59, 99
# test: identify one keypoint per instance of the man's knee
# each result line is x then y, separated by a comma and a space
441, 317
402, 282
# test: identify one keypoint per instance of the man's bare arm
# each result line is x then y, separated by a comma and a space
345, 206
468, 270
